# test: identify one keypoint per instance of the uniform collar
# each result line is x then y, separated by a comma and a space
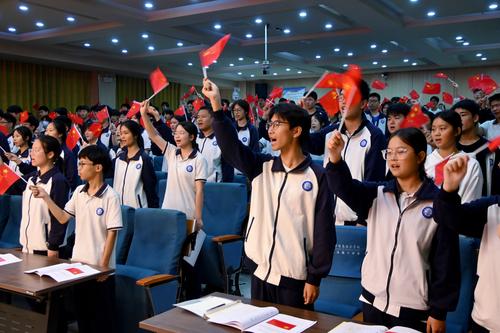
364, 123
123, 155
44, 179
202, 136
427, 190
192, 155
278, 165
99, 193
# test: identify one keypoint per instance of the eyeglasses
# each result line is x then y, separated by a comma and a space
275, 124
399, 153
82, 164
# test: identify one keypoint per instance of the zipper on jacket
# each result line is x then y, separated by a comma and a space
305, 252
28, 224
139, 200
249, 228
275, 227
124, 179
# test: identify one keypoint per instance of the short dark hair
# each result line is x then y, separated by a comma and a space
8, 118
33, 121
82, 107
414, 138
435, 98
495, 97
374, 94
66, 121
452, 118
398, 108
97, 155
224, 101
395, 99
364, 88
125, 105
295, 116
312, 94
208, 108
62, 111
25, 133
14, 109
44, 108
467, 104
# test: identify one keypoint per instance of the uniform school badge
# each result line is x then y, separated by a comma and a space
307, 186
427, 212
99, 211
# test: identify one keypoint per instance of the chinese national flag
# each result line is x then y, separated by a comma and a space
447, 98
416, 118
439, 172
377, 84
76, 119
277, 92
330, 103
102, 115
4, 130
331, 80
180, 111
7, 178
134, 109
72, 138
252, 99
431, 88
281, 324
441, 75
414, 94
208, 56
158, 80
96, 129
23, 117
189, 93
483, 82
198, 103
52, 115
494, 144
403, 100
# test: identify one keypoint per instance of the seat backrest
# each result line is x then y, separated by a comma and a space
349, 251
157, 240
459, 320
162, 187
224, 208
4, 211
10, 233
157, 162
125, 235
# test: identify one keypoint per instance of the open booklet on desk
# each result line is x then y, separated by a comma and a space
64, 272
8, 258
245, 317
348, 327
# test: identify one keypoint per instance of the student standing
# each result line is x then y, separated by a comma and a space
479, 219
411, 271
290, 236
134, 176
96, 209
20, 162
247, 133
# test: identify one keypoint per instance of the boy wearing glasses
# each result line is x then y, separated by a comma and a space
290, 236
96, 208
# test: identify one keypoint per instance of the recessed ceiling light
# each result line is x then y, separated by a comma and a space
336, 49
240, 73
12, 29
479, 54
40, 24
217, 26
256, 62
86, 44
373, 46
459, 38
288, 69
286, 31
231, 65
190, 64
318, 56
303, 14
413, 1
384, 51
484, 58
179, 44
151, 48
466, 44
406, 60
375, 63
431, 13
24, 8
393, 42
248, 35
124, 51
328, 26
115, 41
258, 20
214, 62
145, 36
275, 74
384, 66
345, 65
414, 64
299, 72
252, 75
493, 6
240, 58
148, 5
350, 54
70, 19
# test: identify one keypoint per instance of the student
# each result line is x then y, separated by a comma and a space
96, 209
187, 169
361, 153
290, 237
134, 176
479, 219
411, 271
20, 162
446, 131
396, 113
218, 169
373, 112
491, 128
8, 121
57, 129
247, 133
40, 233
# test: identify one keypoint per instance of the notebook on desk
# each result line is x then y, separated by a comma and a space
348, 327
64, 272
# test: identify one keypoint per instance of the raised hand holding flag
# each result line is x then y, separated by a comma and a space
158, 82
102, 115
134, 109
208, 56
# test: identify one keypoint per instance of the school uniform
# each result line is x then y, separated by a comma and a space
218, 169
180, 193
40, 231
362, 153
486, 161
5, 146
412, 268
472, 184
135, 180
249, 136
13, 148
290, 236
379, 121
68, 166
105, 137
491, 129
25, 159
481, 219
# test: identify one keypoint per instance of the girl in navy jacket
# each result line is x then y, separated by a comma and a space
411, 271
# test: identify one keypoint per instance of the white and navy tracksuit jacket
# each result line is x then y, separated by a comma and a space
249, 136
40, 230
412, 263
218, 169
480, 219
135, 180
68, 166
362, 153
290, 236
380, 121
25, 159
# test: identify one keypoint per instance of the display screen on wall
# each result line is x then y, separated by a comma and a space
294, 94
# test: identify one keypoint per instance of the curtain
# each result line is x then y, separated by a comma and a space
130, 88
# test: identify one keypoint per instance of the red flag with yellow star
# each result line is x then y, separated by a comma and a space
7, 178
158, 80
330, 103
416, 118
431, 88
208, 56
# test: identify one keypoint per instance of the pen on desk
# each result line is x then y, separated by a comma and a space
219, 307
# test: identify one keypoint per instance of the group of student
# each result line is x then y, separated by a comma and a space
386, 180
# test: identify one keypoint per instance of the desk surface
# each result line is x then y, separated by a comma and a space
13, 278
178, 320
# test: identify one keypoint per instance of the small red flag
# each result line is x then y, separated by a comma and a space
414, 94
134, 109
52, 115
447, 98
208, 56
330, 103
4, 130
158, 80
483, 82
331, 80
23, 117
379, 85
416, 118
102, 115
73, 137
494, 144
180, 111
441, 75
439, 172
431, 88
7, 178
277, 92
198, 103
281, 324
252, 99
189, 93
96, 129
403, 100
76, 119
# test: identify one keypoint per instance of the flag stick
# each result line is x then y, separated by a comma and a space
204, 69
315, 84
347, 106
156, 93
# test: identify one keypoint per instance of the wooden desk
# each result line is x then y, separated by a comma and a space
13, 280
178, 320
